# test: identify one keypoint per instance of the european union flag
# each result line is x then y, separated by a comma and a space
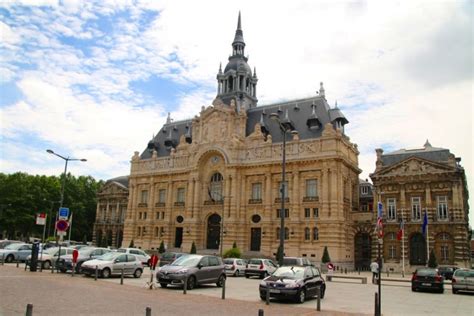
425, 224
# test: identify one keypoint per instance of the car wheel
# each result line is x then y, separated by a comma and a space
441, 291
62, 270
237, 273
191, 282
455, 291
78, 267
413, 289
105, 273
263, 297
9, 259
247, 276
220, 281
163, 285
323, 291
301, 296
46, 264
137, 273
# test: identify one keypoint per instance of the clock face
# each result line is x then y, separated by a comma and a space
215, 159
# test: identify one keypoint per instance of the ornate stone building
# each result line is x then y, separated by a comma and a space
112, 201
410, 183
219, 174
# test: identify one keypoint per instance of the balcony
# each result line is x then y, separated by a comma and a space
160, 204
311, 199
255, 201
211, 202
179, 204
142, 204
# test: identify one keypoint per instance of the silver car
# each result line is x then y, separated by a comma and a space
14, 252
260, 267
463, 280
235, 266
196, 269
113, 263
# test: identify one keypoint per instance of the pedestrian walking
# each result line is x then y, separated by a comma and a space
374, 267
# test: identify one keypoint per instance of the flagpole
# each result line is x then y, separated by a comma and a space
70, 227
427, 240
403, 246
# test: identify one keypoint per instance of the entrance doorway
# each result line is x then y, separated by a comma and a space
213, 231
255, 239
417, 249
363, 251
178, 237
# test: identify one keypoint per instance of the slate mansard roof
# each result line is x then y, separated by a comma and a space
121, 181
309, 117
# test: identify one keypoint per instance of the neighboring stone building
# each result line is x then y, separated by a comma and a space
112, 202
232, 151
412, 182
364, 221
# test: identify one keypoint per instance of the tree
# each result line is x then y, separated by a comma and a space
193, 248
278, 253
432, 262
132, 245
325, 258
162, 247
234, 245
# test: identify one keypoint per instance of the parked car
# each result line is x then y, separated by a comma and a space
197, 269
447, 272
112, 263
6, 242
463, 280
84, 254
140, 254
427, 279
169, 257
295, 261
16, 251
260, 267
49, 256
234, 266
294, 282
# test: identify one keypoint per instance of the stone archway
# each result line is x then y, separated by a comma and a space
417, 249
362, 250
213, 231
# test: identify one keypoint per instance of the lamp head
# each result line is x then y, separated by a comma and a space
83, 159
49, 151
274, 116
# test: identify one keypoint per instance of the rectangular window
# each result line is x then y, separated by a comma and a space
139, 215
143, 231
162, 196
157, 215
256, 191
180, 195
315, 233
162, 215
287, 213
311, 188
442, 207
444, 253
391, 209
144, 215
315, 212
139, 231
144, 196
364, 190
392, 252
156, 231
280, 186
306, 234
307, 212
416, 208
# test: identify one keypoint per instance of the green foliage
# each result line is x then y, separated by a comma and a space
193, 248
22, 196
162, 247
233, 252
432, 262
132, 244
234, 245
325, 258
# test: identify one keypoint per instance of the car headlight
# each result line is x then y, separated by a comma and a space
263, 283
184, 271
292, 285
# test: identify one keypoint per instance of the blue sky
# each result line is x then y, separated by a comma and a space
96, 79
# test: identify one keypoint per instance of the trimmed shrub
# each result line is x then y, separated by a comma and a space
193, 248
432, 262
162, 247
325, 258
233, 252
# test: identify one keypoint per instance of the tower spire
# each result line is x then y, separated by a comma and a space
238, 44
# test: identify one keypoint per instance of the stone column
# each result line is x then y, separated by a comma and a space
296, 199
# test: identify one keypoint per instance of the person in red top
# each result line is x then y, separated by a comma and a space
153, 261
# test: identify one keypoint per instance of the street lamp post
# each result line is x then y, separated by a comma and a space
63, 184
285, 127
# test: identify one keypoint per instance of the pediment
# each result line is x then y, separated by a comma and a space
113, 188
414, 166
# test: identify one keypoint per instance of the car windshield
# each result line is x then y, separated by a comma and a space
167, 255
13, 246
86, 251
109, 256
187, 261
229, 261
51, 251
426, 272
289, 273
121, 250
255, 261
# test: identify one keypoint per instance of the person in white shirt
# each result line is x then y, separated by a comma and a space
374, 267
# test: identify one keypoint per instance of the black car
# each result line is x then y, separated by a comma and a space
293, 282
427, 279
447, 272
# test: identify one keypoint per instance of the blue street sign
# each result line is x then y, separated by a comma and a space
63, 212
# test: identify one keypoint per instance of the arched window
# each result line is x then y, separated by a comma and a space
287, 233
315, 233
307, 235
215, 189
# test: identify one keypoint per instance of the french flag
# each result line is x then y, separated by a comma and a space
401, 230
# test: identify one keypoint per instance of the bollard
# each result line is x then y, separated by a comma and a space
345, 270
96, 273
18, 262
387, 273
358, 270
148, 311
151, 280
318, 302
260, 312
223, 289
26, 264
121, 277
3, 259
185, 286
376, 304
52, 269
29, 309
267, 296
73, 268
403, 274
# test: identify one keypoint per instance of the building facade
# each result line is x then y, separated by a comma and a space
216, 178
112, 202
410, 184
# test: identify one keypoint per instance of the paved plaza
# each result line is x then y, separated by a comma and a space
60, 293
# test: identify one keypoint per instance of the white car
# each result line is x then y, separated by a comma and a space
140, 254
260, 267
234, 266
112, 263
49, 256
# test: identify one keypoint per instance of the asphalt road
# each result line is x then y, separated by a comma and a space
78, 295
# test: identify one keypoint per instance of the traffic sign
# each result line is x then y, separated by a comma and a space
62, 225
61, 233
41, 219
63, 213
